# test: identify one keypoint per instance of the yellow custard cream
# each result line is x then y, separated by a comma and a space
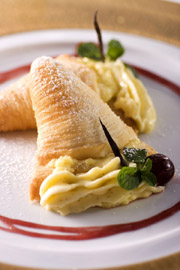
117, 85
76, 185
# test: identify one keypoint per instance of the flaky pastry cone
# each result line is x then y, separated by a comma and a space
67, 113
16, 111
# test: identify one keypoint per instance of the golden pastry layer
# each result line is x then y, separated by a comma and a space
16, 108
16, 111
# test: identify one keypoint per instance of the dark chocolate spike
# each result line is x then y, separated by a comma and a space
98, 31
113, 145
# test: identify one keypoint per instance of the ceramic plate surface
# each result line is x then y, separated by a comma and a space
17, 151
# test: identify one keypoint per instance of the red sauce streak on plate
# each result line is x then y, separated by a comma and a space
159, 79
10, 74
83, 233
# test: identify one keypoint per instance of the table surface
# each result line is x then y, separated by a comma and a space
155, 19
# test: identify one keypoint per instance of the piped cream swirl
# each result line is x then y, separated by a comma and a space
68, 191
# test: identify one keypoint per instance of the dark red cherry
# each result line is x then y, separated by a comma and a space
162, 167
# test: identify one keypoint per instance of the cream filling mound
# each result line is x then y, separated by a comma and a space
75, 185
117, 84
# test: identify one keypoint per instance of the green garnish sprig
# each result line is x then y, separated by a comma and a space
114, 49
138, 169
89, 50
95, 52
136, 166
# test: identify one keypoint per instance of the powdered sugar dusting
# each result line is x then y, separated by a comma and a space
16, 167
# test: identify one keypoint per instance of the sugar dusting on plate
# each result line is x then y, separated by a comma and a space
17, 151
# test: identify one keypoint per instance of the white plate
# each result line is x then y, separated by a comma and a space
17, 156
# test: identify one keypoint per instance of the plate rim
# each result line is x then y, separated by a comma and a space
19, 35
126, 34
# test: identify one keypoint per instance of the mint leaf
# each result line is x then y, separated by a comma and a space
132, 70
129, 178
135, 155
115, 49
147, 166
89, 50
149, 178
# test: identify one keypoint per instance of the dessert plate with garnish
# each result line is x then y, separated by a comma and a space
77, 235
